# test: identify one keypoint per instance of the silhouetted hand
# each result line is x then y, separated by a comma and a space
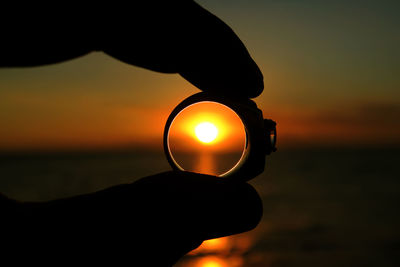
152, 222
158, 219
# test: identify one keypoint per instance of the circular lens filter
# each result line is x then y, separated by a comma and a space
206, 137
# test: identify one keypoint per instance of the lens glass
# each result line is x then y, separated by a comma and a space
207, 137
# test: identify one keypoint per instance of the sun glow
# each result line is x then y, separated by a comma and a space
206, 132
207, 127
212, 261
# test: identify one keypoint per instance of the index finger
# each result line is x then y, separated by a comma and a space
182, 37
216, 59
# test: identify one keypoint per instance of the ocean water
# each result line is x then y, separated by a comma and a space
322, 206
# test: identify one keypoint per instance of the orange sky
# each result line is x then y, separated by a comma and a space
331, 77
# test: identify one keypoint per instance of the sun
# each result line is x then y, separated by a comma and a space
206, 132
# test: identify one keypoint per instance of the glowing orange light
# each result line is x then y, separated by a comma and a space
211, 264
206, 132
215, 246
211, 261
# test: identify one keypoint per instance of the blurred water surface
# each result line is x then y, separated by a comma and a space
322, 207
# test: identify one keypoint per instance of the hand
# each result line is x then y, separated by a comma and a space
152, 222
158, 219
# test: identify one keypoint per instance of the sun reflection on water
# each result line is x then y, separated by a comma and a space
205, 163
220, 252
211, 261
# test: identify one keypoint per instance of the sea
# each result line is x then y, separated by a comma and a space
323, 206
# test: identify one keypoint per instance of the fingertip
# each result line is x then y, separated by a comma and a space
222, 207
240, 211
244, 81
252, 207
216, 60
205, 206
254, 80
